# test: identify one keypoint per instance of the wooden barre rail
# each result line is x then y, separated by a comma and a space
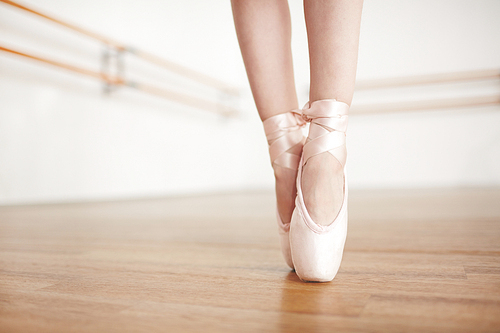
114, 80
98, 75
176, 68
422, 105
484, 74
184, 71
68, 25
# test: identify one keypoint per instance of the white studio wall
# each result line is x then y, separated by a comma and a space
61, 139
455, 147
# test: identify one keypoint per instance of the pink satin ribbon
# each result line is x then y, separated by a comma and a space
328, 121
283, 132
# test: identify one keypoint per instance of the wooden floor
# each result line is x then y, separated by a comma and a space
421, 261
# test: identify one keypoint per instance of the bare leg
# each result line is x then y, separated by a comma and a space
264, 33
333, 35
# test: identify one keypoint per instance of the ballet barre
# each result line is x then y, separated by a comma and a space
117, 80
483, 74
422, 105
432, 104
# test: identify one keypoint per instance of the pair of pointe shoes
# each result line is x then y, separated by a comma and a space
313, 250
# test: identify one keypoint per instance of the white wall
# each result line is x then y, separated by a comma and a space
429, 149
62, 140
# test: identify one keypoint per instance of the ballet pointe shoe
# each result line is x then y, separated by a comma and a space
284, 135
316, 249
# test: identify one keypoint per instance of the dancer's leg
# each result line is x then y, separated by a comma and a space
264, 33
333, 35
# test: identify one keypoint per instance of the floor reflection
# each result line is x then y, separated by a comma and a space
316, 306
